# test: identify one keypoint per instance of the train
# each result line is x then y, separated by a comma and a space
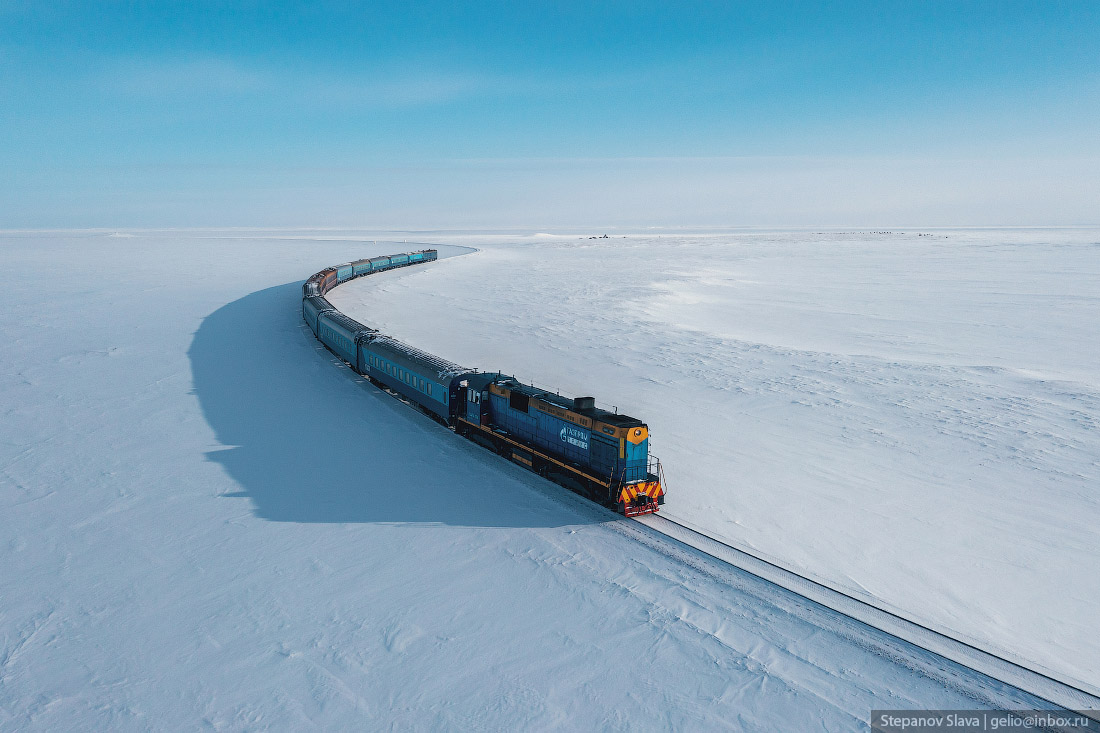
598, 453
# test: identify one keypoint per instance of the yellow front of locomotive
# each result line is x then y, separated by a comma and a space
641, 489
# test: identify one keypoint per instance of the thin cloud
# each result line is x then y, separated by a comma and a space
209, 75
215, 76
390, 90
397, 85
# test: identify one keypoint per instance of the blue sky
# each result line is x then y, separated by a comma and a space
547, 115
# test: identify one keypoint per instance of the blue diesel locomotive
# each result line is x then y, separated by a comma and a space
601, 454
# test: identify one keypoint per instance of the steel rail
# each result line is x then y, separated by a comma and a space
1043, 685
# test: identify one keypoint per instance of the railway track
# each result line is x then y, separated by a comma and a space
1015, 674
1045, 686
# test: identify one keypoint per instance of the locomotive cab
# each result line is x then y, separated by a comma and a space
472, 399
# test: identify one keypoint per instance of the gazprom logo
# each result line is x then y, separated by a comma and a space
575, 437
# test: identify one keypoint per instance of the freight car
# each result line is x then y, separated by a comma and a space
601, 454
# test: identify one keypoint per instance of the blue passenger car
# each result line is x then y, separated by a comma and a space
361, 267
379, 263
312, 308
399, 260
426, 379
342, 335
344, 272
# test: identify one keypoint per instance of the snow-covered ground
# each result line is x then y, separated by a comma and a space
912, 416
207, 521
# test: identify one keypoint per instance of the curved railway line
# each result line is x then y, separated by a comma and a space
866, 611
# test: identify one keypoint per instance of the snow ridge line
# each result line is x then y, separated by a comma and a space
1044, 686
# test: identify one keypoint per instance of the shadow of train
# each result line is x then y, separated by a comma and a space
315, 442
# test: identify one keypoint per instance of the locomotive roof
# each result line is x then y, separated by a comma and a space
596, 413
